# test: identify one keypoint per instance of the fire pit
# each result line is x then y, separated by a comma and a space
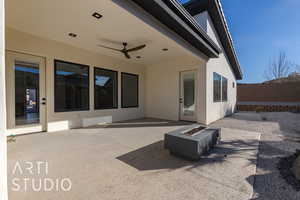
193, 131
192, 141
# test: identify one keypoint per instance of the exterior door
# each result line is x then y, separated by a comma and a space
26, 93
187, 99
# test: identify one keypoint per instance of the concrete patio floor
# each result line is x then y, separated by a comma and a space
127, 161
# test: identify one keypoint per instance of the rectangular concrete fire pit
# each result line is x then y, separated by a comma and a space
192, 141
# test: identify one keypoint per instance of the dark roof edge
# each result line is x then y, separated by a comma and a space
189, 19
236, 61
215, 10
176, 18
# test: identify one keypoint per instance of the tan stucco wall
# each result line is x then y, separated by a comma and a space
51, 50
217, 110
162, 83
162, 87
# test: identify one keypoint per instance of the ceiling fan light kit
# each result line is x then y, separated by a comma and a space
72, 35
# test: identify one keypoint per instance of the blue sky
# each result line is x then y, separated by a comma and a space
260, 29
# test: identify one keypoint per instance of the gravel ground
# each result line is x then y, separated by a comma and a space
280, 138
287, 170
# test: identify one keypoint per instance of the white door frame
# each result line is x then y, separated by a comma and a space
12, 128
183, 117
3, 140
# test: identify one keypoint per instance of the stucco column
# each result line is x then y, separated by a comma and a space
3, 145
201, 94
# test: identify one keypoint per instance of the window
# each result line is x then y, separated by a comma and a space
130, 87
106, 88
224, 89
220, 88
71, 83
217, 87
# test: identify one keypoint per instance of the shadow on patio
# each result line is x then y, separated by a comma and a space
154, 156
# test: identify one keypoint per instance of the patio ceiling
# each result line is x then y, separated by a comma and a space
55, 19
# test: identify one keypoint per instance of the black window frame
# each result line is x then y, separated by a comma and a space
122, 89
117, 89
72, 63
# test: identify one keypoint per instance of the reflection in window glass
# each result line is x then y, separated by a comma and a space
71, 87
106, 88
183, 1
130, 86
224, 89
189, 93
217, 87
26, 93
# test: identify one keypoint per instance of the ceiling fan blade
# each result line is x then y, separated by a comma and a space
108, 48
127, 55
137, 48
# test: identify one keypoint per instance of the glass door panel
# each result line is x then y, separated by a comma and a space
188, 96
27, 93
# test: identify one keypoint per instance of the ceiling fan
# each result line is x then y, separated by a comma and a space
125, 51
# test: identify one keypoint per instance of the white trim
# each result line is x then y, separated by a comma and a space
3, 142
14, 129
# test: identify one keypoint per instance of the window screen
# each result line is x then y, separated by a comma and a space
224, 88
217, 87
130, 87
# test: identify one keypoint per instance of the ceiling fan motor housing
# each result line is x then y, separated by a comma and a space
125, 51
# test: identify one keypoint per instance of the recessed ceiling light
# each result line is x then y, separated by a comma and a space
165, 49
96, 15
72, 35
138, 57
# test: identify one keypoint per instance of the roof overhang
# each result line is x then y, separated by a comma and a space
174, 16
214, 9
